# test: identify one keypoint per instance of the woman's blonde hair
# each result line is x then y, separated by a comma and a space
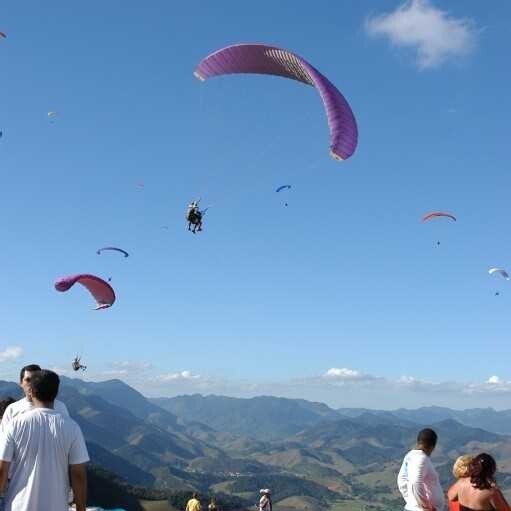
461, 466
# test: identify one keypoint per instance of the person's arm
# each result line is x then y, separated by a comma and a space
6, 418
78, 475
498, 501
452, 492
402, 480
418, 484
6, 455
4, 474
77, 460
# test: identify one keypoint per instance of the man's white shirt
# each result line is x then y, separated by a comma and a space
419, 483
41, 444
24, 405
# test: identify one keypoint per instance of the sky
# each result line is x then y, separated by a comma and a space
344, 296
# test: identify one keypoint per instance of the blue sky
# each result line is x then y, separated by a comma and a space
346, 277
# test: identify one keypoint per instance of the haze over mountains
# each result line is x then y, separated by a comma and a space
272, 417
309, 454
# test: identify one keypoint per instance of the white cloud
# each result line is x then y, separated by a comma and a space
417, 385
337, 386
432, 33
11, 353
493, 386
182, 376
343, 374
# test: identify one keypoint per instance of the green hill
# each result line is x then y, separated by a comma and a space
263, 418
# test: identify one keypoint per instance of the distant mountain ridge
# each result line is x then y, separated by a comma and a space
264, 417
484, 418
272, 418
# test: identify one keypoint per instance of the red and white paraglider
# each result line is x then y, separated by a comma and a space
438, 214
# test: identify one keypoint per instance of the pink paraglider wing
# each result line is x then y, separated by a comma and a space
270, 60
102, 291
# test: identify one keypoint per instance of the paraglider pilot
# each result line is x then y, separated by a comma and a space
77, 365
194, 217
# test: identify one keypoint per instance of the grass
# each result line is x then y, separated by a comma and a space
348, 505
298, 504
156, 505
223, 487
385, 478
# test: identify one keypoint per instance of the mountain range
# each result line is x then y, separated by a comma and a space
311, 455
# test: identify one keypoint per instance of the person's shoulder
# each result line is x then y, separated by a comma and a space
417, 457
68, 422
459, 483
8, 412
62, 418
18, 406
59, 406
494, 490
415, 453
19, 418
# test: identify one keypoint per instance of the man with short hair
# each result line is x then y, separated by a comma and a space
45, 448
25, 404
418, 480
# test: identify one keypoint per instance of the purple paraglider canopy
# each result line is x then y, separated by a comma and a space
102, 292
270, 60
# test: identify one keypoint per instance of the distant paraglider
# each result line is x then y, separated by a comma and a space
194, 216
100, 290
437, 214
116, 249
270, 60
283, 187
500, 271
3, 35
51, 115
77, 365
